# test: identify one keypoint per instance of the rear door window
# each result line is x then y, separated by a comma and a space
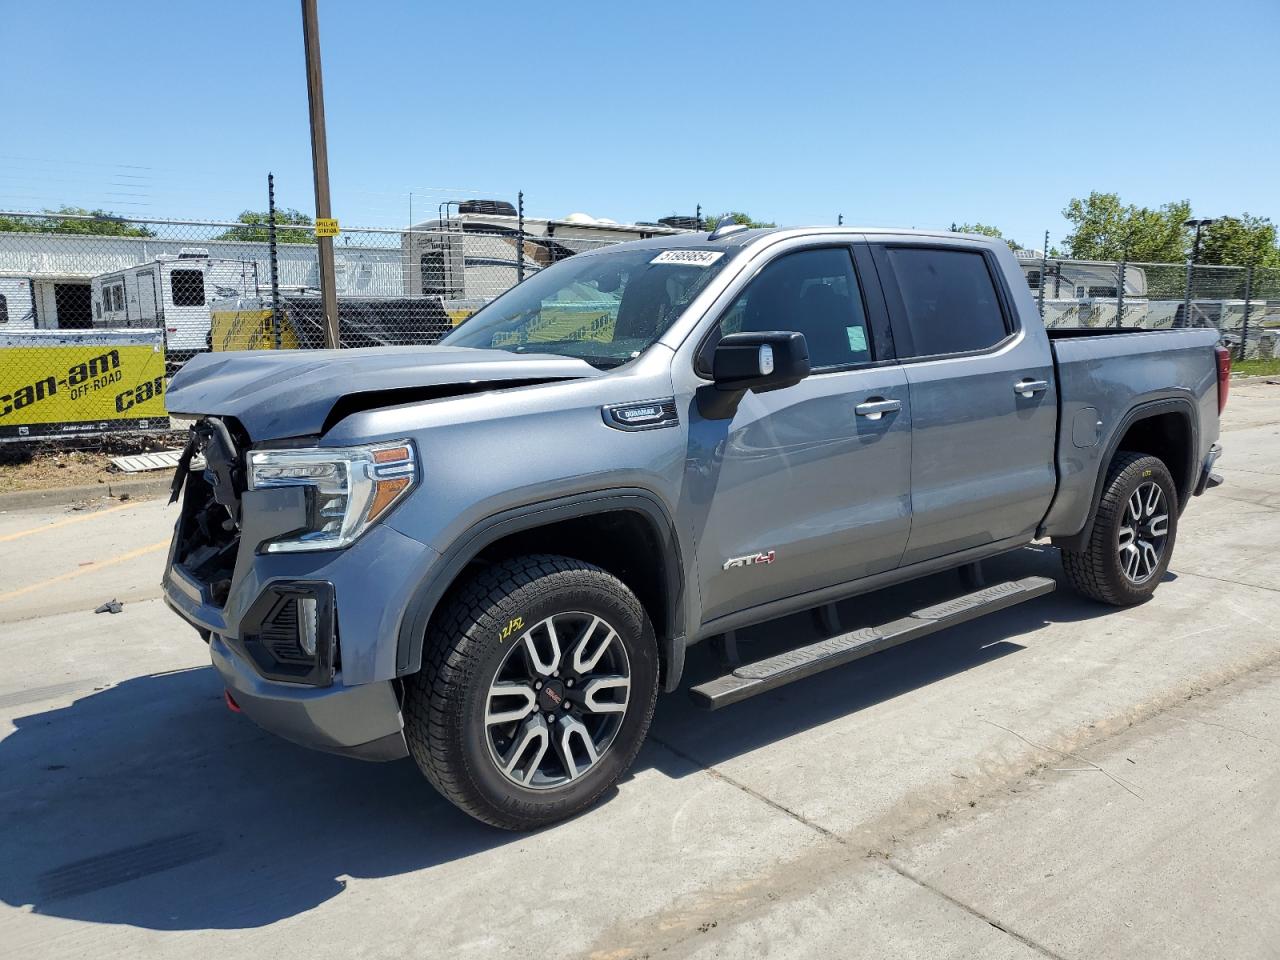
950, 301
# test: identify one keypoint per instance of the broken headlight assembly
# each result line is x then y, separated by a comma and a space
347, 489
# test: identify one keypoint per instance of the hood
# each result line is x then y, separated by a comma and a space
293, 393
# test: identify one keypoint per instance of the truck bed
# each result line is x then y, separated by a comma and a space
1102, 376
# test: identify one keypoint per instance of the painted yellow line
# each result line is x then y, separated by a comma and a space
65, 523
71, 575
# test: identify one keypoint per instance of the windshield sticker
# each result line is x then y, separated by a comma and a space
690, 258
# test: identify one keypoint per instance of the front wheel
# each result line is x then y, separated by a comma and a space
1133, 534
536, 691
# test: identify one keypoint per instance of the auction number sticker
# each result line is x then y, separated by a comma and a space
691, 258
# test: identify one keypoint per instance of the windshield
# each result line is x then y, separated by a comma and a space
605, 308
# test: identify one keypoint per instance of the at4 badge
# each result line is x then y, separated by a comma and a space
749, 561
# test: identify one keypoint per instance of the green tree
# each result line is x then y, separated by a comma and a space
710, 223
986, 231
1240, 241
255, 227
104, 223
1106, 229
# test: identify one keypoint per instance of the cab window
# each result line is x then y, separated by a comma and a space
814, 292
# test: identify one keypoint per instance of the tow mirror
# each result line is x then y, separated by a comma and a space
758, 362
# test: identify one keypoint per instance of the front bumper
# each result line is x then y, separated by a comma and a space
362, 721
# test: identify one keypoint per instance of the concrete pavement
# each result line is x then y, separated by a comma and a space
1059, 779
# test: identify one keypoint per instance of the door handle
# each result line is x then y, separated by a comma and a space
1028, 388
875, 409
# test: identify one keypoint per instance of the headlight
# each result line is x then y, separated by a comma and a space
348, 488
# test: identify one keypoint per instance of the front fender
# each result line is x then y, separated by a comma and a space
455, 557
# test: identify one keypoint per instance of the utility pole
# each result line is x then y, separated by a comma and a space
320, 167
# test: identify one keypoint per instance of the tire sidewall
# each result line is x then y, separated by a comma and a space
587, 591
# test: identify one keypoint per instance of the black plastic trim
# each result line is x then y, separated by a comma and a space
320, 671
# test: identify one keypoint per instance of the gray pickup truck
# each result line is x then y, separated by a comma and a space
491, 554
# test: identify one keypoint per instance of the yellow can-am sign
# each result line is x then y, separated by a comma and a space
65, 383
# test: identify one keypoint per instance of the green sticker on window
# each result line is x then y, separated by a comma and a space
857, 339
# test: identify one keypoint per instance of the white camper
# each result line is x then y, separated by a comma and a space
471, 252
173, 293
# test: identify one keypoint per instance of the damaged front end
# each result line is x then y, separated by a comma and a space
211, 471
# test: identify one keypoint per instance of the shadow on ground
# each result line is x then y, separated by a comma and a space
149, 804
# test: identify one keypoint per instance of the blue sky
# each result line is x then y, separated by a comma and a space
894, 113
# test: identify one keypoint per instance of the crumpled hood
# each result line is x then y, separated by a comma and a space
290, 393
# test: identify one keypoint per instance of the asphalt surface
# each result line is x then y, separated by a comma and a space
1059, 779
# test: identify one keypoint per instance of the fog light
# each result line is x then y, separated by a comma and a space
308, 625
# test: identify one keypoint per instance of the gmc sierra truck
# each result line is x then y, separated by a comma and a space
491, 554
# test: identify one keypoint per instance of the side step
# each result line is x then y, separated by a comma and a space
752, 678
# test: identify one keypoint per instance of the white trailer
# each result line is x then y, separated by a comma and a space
173, 293
473, 253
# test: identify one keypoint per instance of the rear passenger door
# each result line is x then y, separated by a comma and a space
983, 404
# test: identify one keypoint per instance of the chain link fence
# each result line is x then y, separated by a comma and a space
95, 313
1242, 303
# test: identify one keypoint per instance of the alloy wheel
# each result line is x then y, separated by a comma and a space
557, 700
1144, 529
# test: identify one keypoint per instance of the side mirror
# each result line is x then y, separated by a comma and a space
760, 361
752, 361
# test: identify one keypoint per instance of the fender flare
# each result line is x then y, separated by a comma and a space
1143, 411
455, 558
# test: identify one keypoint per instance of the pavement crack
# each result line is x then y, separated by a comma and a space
972, 911
1074, 756
1237, 583
749, 791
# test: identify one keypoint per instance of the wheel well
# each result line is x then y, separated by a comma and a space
623, 542
1167, 436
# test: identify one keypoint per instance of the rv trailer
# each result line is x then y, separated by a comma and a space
172, 293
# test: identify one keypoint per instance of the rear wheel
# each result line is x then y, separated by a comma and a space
536, 691
1133, 534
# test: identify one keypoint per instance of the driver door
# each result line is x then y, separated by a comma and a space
808, 486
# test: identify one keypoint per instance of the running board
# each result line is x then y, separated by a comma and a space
752, 678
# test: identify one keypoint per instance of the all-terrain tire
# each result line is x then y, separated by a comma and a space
466, 646
1097, 570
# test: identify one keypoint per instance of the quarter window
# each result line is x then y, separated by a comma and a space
814, 292
950, 300
188, 288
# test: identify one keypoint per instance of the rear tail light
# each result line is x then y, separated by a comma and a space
1224, 375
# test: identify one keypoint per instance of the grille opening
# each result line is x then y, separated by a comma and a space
207, 540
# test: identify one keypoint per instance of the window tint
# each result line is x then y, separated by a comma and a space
4, 308
188, 288
950, 300
814, 292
